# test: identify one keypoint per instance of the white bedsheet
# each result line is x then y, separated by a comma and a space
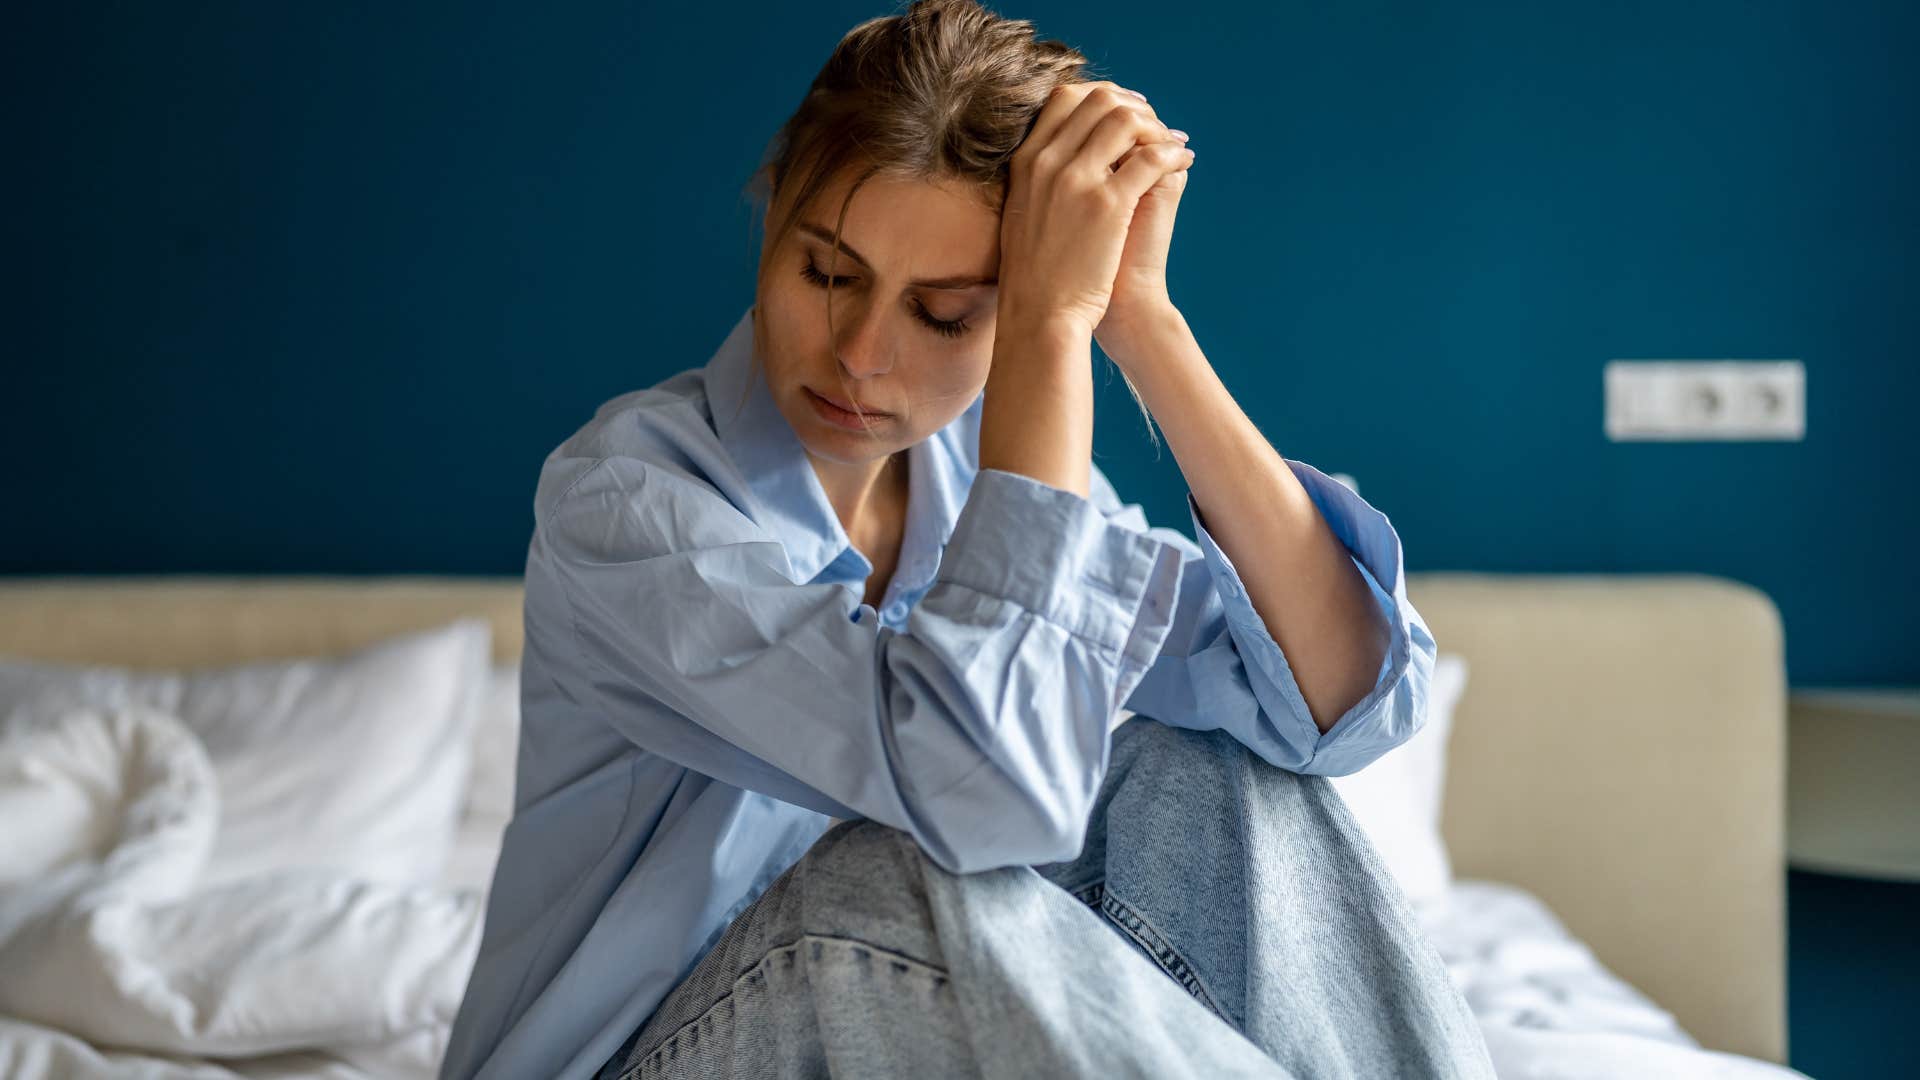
110, 938
116, 963
1549, 1009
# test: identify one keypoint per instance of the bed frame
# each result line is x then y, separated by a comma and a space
1619, 751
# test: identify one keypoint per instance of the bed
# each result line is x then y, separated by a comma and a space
1607, 805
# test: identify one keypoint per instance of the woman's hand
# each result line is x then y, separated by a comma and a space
1140, 287
1092, 171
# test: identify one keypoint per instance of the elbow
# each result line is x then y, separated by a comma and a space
1065, 840
1021, 831
1399, 712
1037, 848
1054, 835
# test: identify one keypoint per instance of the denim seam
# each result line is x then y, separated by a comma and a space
900, 961
1136, 926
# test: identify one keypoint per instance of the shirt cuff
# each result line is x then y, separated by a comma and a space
1374, 546
1055, 554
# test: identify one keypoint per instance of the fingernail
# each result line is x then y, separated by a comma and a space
1178, 134
1135, 93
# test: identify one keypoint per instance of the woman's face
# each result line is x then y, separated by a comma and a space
914, 300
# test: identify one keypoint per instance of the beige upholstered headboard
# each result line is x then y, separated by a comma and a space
191, 620
1619, 750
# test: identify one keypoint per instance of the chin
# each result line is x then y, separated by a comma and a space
846, 447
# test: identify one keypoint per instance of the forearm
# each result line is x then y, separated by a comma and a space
1037, 419
1299, 577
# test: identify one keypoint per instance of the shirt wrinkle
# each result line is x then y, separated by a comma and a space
951, 715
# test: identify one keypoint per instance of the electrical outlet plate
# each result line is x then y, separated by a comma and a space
1683, 400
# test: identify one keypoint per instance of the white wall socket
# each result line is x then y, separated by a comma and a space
1705, 399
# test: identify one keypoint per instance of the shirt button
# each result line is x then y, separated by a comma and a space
896, 610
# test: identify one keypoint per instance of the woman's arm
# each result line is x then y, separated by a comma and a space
1037, 416
1298, 575
1219, 668
1063, 235
667, 614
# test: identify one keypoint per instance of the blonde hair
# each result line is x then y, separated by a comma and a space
942, 91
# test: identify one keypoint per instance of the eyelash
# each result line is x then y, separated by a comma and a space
942, 327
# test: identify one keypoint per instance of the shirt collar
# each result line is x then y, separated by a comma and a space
791, 502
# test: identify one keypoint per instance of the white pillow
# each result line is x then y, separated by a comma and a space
496, 748
355, 763
489, 798
1396, 799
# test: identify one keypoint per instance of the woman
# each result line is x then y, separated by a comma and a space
860, 566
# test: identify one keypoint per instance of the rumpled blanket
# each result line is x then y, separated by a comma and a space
106, 820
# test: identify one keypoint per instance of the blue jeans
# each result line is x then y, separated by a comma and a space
1224, 918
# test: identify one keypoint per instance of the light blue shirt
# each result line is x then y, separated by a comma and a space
704, 690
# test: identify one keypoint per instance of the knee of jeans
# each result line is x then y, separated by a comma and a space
860, 840
1165, 748
863, 859
1184, 759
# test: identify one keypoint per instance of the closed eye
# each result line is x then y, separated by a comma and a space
944, 327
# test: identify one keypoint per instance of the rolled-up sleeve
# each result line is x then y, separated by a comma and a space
1220, 668
981, 729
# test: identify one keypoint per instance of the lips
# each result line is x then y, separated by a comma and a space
840, 403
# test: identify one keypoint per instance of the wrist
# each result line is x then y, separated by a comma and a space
1124, 335
1045, 329
1040, 351
1038, 416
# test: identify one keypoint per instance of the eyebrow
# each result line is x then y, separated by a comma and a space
961, 281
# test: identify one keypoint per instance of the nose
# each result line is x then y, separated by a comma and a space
863, 347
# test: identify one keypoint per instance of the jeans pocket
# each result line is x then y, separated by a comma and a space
815, 1001
701, 1047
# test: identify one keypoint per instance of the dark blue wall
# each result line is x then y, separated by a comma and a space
313, 288
1854, 971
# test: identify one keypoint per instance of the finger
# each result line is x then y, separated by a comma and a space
1148, 164
1174, 133
1059, 106
1072, 136
1115, 136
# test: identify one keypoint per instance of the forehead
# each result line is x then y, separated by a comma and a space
922, 228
